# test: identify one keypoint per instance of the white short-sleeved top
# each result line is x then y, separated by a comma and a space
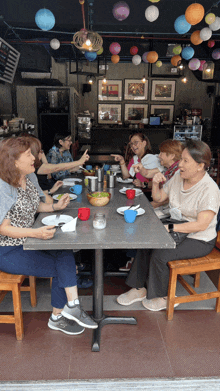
204, 195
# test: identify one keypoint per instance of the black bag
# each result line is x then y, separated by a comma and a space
177, 236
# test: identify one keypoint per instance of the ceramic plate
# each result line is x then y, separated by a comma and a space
123, 208
72, 197
52, 220
128, 180
71, 181
137, 191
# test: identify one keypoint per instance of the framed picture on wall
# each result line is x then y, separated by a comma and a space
163, 90
134, 112
109, 113
164, 111
112, 90
135, 89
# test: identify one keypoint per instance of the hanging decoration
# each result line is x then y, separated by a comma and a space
194, 13
195, 38
90, 56
215, 25
45, 19
211, 43
216, 54
181, 26
154, 1
151, 13
115, 58
210, 18
121, 10
202, 62
187, 53
136, 59
208, 70
144, 57
159, 64
100, 51
54, 44
152, 57
175, 59
194, 64
115, 48
177, 49
133, 50
205, 33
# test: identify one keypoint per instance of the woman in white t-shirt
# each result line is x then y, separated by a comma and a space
194, 198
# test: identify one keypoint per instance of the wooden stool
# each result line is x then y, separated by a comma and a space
12, 282
187, 267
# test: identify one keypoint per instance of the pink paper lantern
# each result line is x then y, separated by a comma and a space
133, 50
194, 64
216, 54
144, 56
121, 10
211, 43
115, 48
202, 62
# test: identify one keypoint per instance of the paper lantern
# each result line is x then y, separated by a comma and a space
136, 59
187, 53
133, 50
115, 58
154, 1
100, 51
211, 43
90, 56
144, 57
181, 25
194, 64
159, 64
177, 49
45, 19
115, 48
202, 62
205, 34
195, 38
210, 18
215, 25
194, 13
121, 10
152, 57
54, 44
175, 59
216, 54
151, 13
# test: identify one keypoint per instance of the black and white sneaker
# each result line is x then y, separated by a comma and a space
65, 325
79, 315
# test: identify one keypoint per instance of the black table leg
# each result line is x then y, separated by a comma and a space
98, 315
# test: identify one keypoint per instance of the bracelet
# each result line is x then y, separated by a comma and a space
49, 192
53, 208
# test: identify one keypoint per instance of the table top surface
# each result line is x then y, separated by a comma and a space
146, 232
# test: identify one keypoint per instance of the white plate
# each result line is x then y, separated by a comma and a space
128, 180
52, 220
121, 210
71, 181
72, 197
137, 191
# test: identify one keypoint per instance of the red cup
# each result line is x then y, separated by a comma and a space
130, 193
84, 213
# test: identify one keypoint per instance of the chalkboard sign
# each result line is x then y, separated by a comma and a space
9, 58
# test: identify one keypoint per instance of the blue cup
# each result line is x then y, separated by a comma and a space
130, 216
106, 167
89, 167
76, 189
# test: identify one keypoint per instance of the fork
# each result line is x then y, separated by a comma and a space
133, 208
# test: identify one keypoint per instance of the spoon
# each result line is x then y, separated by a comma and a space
83, 168
133, 208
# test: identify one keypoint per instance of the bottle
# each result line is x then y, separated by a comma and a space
105, 183
99, 221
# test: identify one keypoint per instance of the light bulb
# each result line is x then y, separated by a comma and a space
143, 79
104, 81
88, 42
184, 80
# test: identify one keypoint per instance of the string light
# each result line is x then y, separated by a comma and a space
184, 80
143, 79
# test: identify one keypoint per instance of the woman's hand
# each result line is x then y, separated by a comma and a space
44, 232
137, 167
63, 202
137, 183
119, 158
56, 186
84, 158
158, 178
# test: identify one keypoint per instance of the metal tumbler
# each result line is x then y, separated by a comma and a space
93, 183
111, 180
100, 174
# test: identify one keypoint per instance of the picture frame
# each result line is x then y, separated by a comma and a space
135, 89
110, 91
109, 113
163, 90
135, 112
164, 111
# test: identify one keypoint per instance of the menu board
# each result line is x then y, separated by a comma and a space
9, 58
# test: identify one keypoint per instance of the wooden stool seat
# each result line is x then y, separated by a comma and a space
192, 266
13, 282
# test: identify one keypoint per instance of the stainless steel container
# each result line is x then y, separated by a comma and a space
100, 174
93, 183
111, 180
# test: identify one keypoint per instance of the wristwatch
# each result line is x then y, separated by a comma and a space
49, 192
170, 227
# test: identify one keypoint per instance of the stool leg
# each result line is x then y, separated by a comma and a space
171, 294
33, 293
217, 306
197, 280
19, 326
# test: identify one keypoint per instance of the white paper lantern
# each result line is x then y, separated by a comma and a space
215, 25
205, 33
151, 13
136, 59
54, 44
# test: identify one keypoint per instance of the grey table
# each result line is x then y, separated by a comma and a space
146, 232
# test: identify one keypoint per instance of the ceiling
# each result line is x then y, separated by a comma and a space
18, 27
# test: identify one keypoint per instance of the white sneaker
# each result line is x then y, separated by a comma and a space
132, 296
157, 304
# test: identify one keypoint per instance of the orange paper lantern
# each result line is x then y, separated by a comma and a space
175, 59
195, 38
115, 58
152, 57
194, 13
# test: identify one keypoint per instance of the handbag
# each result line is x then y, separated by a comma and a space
179, 237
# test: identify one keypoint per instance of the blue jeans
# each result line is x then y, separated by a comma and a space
58, 264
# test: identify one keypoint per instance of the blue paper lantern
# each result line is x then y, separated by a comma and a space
90, 56
45, 19
187, 53
181, 25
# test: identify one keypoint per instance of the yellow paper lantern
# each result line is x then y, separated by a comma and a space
115, 58
175, 59
159, 64
210, 18
194, 13
152, 57
195, 38
100, 51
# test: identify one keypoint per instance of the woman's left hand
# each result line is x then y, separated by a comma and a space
56, 186
63, 202
137, 183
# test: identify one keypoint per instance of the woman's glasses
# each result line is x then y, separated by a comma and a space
135, 143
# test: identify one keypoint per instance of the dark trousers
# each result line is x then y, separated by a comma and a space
57, 264
150, 267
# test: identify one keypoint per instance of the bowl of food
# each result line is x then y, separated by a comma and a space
89, 172
99, 198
